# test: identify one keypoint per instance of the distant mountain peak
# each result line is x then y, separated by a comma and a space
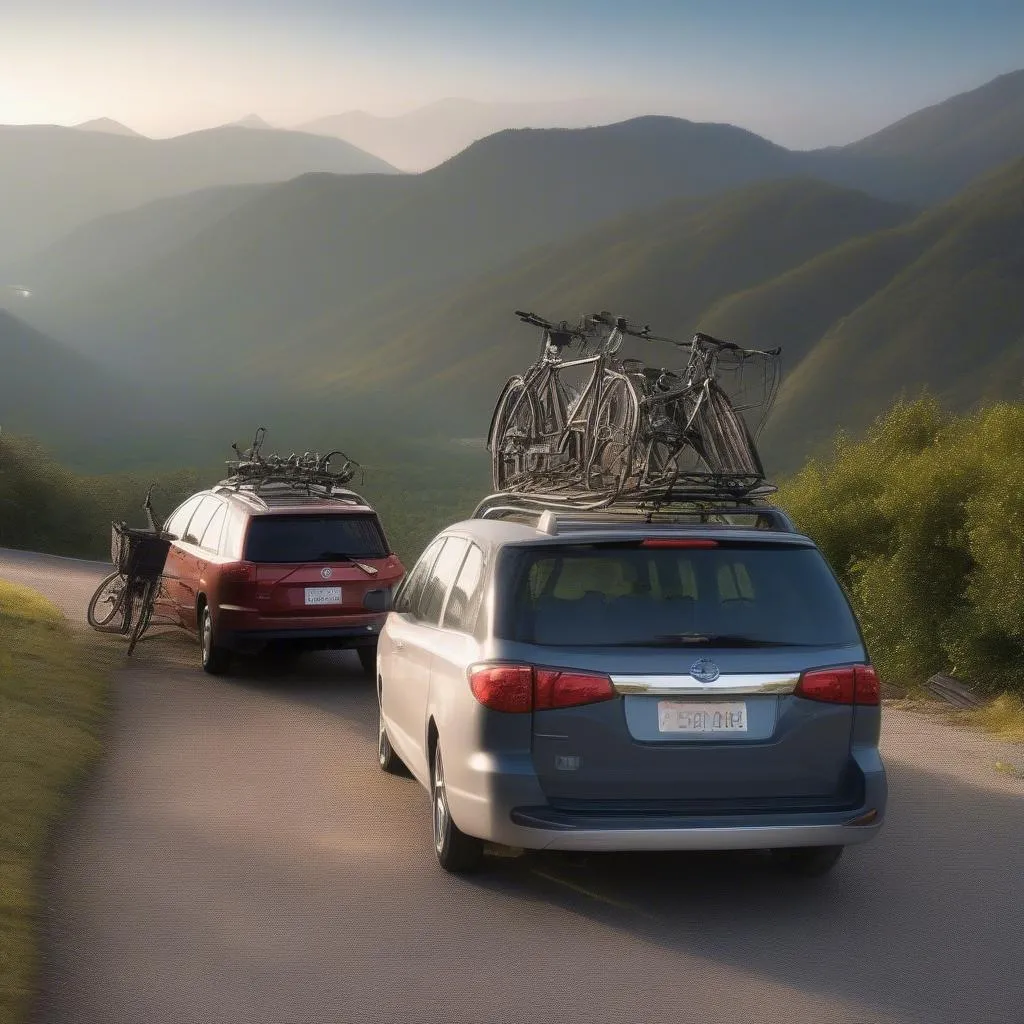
252, 121
107, 125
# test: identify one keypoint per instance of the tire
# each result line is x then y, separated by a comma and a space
368, 659
106, 606
143, 615
456, 852
388, 760
612, 442
216, 660
809, 861
728, 446
516, 411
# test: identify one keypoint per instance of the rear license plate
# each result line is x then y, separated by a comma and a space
682, 716
323, 595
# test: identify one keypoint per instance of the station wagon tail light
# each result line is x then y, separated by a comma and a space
524, 688
238, 572
679, 542
851, 684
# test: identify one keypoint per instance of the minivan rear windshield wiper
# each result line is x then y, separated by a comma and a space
338, 556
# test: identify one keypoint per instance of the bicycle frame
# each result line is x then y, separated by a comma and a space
563, 418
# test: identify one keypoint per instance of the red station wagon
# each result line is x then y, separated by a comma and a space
278, 564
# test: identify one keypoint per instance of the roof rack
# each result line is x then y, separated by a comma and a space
287, 490
547, 511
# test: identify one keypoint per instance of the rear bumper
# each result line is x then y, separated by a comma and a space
693, 835
499, 799
364, 634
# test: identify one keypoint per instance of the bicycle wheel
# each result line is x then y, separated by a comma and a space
612, 455
144, 613
728, 446
106, 604
513, 432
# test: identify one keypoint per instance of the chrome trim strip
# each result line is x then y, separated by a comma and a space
687, 686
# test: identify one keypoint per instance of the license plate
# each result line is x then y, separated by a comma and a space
323, 595
681, 716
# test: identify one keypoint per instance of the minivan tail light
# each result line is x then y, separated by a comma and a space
524, 688
553, 688
867, 685
503, 687
850, 684
678, 542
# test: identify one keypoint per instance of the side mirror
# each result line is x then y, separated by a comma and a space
379, 600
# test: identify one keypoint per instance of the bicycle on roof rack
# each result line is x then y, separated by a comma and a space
308, 471
124, 601
630, 429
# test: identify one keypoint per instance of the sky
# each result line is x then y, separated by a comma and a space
801, 72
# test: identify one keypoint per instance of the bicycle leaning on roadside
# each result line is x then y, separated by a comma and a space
124, 601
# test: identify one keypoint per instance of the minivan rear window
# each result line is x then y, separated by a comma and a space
327, 538
596, 595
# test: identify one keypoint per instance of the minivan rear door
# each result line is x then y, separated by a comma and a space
704, 645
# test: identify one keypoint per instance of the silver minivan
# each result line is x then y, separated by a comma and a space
574, 682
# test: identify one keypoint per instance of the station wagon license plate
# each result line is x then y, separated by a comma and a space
323, 595
686, 717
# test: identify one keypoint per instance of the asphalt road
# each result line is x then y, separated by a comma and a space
239, 857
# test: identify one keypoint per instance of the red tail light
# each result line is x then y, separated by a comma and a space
522, 688
555, 689
238, 572
679, 542
851, 684
503, 687
868, 687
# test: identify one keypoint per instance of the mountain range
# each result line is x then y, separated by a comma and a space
429, 135
54, 179
386, 299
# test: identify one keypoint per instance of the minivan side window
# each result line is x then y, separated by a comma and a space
210, 540
464, 603
410, 590
440, 581
178, 519
201, 519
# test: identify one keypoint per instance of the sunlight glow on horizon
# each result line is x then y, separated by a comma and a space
799, 75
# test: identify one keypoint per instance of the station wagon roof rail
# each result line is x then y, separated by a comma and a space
287, 491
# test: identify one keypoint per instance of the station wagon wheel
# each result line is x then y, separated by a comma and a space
216, 659
456, 852
388, 760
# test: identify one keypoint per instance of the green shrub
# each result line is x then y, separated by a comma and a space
923, 521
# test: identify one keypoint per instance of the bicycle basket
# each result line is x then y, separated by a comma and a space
138, 553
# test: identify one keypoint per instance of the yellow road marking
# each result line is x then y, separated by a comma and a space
600, 897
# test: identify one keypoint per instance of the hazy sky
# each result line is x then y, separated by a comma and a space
802, 72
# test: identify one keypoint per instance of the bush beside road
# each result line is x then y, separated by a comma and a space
923, 521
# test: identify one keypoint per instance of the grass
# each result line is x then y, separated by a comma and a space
1004, 717
53, 703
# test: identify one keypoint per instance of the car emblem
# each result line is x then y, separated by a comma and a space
704, 671
326, 572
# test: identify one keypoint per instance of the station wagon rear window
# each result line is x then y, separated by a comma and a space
739, 595
304, 538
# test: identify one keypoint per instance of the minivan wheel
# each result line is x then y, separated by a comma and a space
456, 852
809, 861
389, 761
216, 659
368, 659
